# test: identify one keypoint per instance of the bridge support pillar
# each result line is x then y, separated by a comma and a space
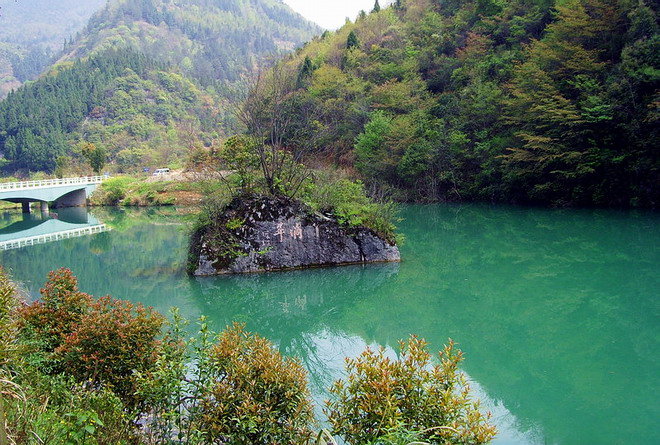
44, 208
25, 206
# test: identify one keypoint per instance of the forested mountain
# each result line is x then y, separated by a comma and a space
209, 40
147, 81
125, 103
529, 101
33, 31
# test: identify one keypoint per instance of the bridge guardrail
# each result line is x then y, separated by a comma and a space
50, 183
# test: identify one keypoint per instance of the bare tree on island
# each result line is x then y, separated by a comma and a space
274, 115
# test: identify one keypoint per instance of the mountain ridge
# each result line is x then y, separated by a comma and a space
32, 32
176, 67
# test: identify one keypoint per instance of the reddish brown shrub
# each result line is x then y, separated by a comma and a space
112, 341
102, 341
259, 396
62, 306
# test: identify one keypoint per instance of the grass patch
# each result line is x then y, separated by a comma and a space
130, 191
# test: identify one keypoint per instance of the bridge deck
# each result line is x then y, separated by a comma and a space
48, 183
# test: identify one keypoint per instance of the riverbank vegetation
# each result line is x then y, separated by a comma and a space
546, 102
80, 370
139, 191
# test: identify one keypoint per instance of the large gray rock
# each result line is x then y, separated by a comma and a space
267, 234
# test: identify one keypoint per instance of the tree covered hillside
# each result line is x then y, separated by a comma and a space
146, 83
33, 31
210, 40
528, 101
121, 102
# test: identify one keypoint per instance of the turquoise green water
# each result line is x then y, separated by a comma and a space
557, 311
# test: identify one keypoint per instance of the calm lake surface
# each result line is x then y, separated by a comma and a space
557, 311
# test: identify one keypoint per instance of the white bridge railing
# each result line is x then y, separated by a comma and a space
41, 239
5, 186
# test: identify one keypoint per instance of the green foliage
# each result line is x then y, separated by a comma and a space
352, 40
132, 191
550, 102
259, 397
239, 154
306, 70
390, 401
370, 148
61, 165
347, 201
55, 410
96, 156
113, 191
80, 427
172, 390
571, 142
235, 224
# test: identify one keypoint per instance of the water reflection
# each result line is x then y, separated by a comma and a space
296, 309
20, 230
557, 311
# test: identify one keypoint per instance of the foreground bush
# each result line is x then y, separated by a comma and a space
103, 342
50, 409
8, 325
112, 341
259, 397
75, 370
57, 314
383, 398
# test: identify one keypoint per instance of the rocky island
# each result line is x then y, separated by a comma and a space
270, 233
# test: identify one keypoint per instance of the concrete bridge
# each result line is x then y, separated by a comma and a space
64, 192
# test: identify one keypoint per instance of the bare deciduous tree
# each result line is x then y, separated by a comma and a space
270, 113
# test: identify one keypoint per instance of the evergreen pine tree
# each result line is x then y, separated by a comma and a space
352, 41
306, 70
376, 7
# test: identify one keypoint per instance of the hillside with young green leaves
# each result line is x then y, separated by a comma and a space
527, 101
146, 83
